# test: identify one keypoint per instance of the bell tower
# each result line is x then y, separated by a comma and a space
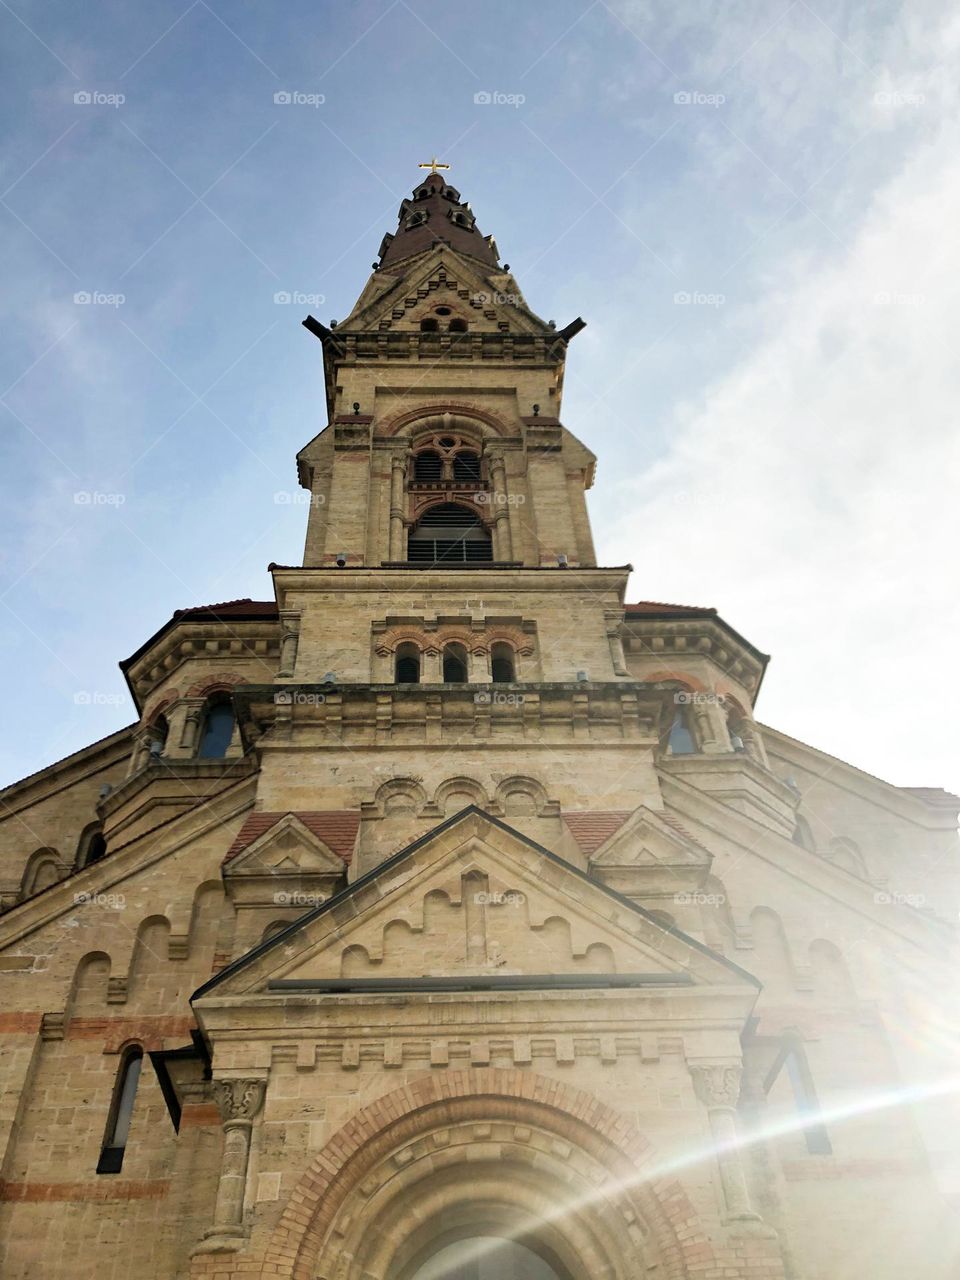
444, 446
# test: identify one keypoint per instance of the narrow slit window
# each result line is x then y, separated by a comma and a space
121, 1113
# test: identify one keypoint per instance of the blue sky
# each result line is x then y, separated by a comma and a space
783, 445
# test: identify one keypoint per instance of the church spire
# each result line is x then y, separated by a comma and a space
436, 214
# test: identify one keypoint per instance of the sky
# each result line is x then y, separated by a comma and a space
750, 203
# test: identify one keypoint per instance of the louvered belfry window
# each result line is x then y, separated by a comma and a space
450, 534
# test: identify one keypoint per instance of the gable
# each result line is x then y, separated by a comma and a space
474, 897
331, 830
441, 276
650, 839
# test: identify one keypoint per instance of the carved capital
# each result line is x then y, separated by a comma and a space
238, 1099
717, 1084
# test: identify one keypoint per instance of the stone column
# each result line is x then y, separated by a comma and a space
290, 622
753, 743
615, 640
140, 755
499, 501
397, 467
238, 1101
183, 721
711, 725
717, 1085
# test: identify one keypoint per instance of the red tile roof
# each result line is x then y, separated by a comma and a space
337, 828
933, 795
244, 608
592, 828
658, 607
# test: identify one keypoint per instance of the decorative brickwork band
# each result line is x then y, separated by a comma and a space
717, 1085
238, 1102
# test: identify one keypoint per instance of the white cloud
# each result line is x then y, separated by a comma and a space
812, 494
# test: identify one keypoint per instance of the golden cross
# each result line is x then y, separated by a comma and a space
433, 165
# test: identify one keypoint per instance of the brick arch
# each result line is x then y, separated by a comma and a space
223, 683
574, 1115
394, 425
162, 704
676, 677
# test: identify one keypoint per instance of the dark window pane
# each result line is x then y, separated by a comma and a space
408, 671
681, 739
217, 732
466, 468
454, 667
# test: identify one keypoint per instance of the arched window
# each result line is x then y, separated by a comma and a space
407, 664
217, 730
466, 467
802, 835
457, 326
502, 666
91, 846
681, 741
157, 734
455, 664
121, 1112
450, 534
428, 467
429, 325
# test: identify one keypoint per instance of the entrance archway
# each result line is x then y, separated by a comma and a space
480, 1153
485, 1258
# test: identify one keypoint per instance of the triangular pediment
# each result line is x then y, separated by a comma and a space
475, 897
648, 839
289, 846
441, 276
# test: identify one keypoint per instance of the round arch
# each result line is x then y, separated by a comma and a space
486, 1152
442, 417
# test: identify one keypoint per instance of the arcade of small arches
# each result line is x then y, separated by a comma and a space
452, 658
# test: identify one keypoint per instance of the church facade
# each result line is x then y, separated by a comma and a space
450, 915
